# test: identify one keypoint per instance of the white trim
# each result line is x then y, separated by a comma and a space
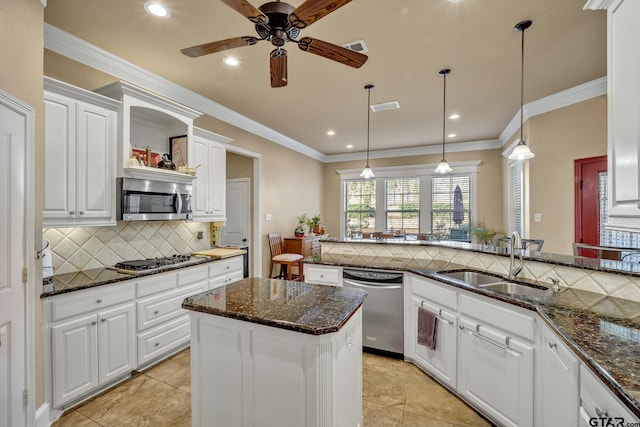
62, 88
29, 255
412, 170
597, 4
553, 102
211, 136
65, 44
42, 416
44, 2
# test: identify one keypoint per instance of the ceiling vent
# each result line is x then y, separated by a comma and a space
357, 46
393, 105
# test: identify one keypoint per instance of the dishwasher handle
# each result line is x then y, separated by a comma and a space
362, 285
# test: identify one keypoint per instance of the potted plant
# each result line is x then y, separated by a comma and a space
314, 224
484, 234
299, 230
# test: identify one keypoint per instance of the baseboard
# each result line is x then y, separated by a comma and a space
42, 416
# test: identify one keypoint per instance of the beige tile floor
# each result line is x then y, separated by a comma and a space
395, 394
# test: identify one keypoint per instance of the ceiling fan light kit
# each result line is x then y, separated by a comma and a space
280, 23
443, 166
367, 172
522, 150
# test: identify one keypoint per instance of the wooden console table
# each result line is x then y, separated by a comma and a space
305, 246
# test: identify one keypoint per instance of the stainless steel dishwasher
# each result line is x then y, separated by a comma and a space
382, 311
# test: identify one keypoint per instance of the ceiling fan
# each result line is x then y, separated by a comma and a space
279, 23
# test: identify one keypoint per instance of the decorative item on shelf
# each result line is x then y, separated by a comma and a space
367, 172
522, 150
484, 234
166, 163
143, 156
178, 149
443, 166
189, 170
314, 224
299, 230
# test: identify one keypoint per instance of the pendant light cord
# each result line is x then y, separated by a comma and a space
369, 87
444, 110
522, 90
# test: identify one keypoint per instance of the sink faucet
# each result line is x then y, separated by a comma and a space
514, 243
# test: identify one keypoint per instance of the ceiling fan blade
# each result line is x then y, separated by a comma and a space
219, 46
278, 63
312, 10
244, 8
333, 52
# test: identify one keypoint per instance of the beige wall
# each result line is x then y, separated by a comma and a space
21, 32
558, 138
489, 183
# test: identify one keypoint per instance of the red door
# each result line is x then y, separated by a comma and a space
587, 200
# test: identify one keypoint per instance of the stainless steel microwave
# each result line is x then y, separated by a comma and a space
146, 200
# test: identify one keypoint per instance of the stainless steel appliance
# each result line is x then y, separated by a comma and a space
153, 264
382, 311
146, 200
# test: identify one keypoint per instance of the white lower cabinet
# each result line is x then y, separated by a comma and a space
599, 407
557, 378
323, 275
92, 350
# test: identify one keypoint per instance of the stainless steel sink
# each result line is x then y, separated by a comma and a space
515, 288
471, 277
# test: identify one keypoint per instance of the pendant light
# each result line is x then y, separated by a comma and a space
443, 166
367, 173
522, 151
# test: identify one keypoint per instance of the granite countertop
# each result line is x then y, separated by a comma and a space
297, 306
603, 331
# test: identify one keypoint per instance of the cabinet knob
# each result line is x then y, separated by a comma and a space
156, 311
553, 345
72, 212
81, 212
98, 301
601, 413
94, 323
103, 320
157, 344
322, 276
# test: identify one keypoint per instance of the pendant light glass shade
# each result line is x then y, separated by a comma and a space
522, 150
367, 172
443, 166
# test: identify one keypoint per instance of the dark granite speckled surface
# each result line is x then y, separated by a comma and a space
603, 331
297, 306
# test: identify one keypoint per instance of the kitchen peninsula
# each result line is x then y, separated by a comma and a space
273, 353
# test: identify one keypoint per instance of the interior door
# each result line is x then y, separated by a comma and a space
13, 238
236, 229
587, 200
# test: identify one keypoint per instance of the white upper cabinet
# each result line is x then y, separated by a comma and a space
623, 79
80, 147
209, 151
148, 120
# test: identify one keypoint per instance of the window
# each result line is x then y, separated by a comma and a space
450, 206
360, 207
403, 205
516, 215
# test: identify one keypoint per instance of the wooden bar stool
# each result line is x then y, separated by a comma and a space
286, 260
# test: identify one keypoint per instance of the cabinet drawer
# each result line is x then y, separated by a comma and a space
322, 276
156, 342
155, 310
225, 266
156, 283
192, 275
493, 313
80, 302
599, 402
434, 291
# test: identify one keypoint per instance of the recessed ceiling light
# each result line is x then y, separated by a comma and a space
230, 60
349, 146
157, 9
454, 116
331, 132
454, 1
452, 135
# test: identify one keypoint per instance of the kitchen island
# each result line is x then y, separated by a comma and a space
274, 353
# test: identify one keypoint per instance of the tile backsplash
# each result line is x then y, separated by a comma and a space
617, 285
83, 248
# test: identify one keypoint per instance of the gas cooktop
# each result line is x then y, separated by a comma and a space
139, 266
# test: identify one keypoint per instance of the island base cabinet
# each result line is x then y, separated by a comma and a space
251, 375
495, 374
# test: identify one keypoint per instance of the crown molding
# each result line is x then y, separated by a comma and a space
469, 166
597, 4
62, 88
88, 54
211, 136
562, 99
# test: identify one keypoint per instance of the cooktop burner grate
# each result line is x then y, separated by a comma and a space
149, 264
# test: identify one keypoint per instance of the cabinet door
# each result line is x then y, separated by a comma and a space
59, 173
496, 376
201, 184
74, 358
217, 181
624, 108
559, 376
440, 362
95, 164
116, 342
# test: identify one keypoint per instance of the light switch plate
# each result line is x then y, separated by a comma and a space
537, 217
267, 217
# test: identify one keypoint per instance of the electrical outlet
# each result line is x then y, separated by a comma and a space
267, 217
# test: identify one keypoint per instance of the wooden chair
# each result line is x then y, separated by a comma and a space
286, 260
